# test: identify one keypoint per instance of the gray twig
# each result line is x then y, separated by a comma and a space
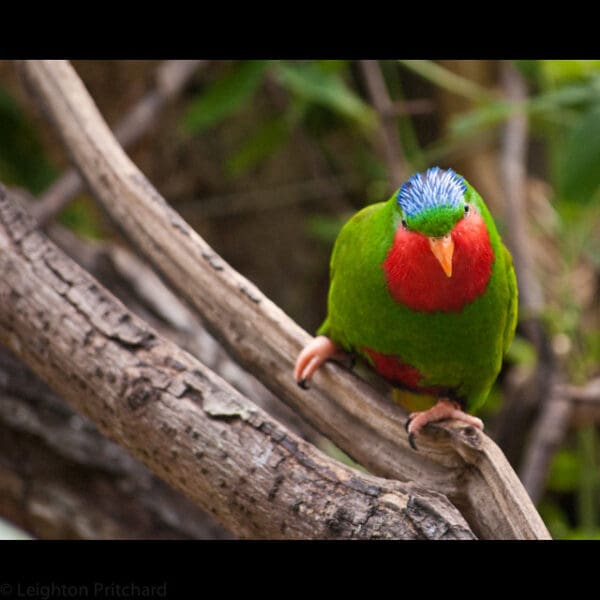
389, 141
171, 78
514, 180
548, 433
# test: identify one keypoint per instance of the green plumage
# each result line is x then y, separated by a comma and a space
459, 350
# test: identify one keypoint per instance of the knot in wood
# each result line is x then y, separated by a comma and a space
140, 392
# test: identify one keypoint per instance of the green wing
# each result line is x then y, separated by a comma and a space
345, 244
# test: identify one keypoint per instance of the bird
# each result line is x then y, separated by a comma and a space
424, 291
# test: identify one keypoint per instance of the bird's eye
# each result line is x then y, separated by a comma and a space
467, 208
404, 224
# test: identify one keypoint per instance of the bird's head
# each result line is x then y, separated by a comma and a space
431, 204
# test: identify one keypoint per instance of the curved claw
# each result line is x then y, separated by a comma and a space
303, 384
312, 357
411, 442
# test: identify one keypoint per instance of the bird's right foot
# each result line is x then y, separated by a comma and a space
444, 409
319, 350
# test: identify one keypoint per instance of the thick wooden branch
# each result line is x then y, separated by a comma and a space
455, 461
186, 424
61, 478
131, 280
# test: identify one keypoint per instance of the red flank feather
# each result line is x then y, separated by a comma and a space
398, 372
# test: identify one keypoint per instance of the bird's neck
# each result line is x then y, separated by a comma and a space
416, 279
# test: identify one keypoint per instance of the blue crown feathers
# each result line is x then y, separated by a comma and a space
434, 188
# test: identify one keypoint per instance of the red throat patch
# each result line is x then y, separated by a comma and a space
416, 279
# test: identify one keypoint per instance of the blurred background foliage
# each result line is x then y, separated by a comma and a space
267, 159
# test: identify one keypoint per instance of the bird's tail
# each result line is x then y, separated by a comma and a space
411, 401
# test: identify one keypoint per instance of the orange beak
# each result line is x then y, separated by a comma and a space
443, 250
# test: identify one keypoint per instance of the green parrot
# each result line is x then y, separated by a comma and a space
422, 289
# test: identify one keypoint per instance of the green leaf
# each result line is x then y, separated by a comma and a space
81, 217
226, 96
530, 69
332, 450
332, 66
565, 471
475, 120
589, 480
259, 145
521, 352
325, 87
448, 80
559, 71
583, 533
551, 102
556, 520
22, 158
578, 164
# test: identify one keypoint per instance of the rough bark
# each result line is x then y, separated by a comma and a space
143, 292
185, 423
468, 467
60, 478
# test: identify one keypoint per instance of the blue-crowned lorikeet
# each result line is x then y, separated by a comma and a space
423, 289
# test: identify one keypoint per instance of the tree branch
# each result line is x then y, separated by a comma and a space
144, 293
514, 179
186, 424
391, 149
547, 434
171, 78
60, 478
523, 404
455, 461
568, 405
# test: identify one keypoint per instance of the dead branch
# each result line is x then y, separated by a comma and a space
144, 293
586, 394
61, 478
547, 435
456, 461
514, 179
569, 405
391, 149
171, 78
586, 402
181, 420
522, 404
417, 106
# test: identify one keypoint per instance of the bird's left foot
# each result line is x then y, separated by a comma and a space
444, 409
319, 350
